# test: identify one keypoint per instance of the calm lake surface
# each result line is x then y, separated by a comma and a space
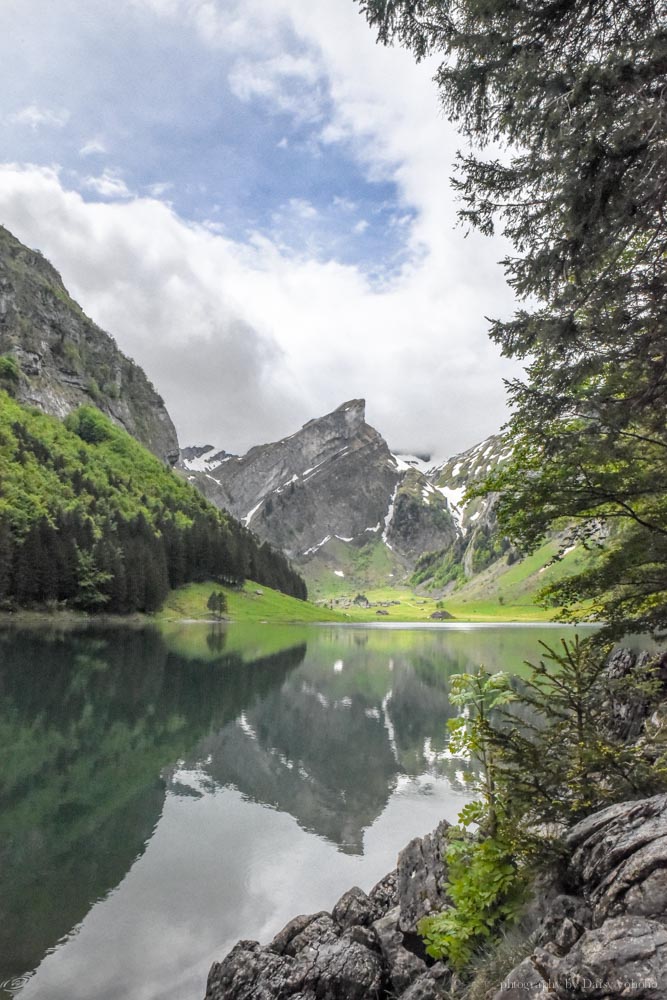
166, 792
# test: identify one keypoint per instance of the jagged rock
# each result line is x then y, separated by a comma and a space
253, 973
353, 908
367, 936
566, 919
480, 541
284, 938
333, 481
625, 957
421, 519
424, 988
524, 982
338, 956
333, 477
404, 967
384, 895
421, 877
620, 857
605, 938
322, 930
628, 710
335, 969
65, 359
348, 970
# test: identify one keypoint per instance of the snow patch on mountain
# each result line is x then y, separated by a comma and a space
388, 519
405, 462
249, 516
204, 459
454, 498
319, 545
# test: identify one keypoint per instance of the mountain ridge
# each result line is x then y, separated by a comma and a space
91, 513
333, 495
65, 360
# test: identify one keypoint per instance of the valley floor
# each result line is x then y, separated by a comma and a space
404, 605
256, 604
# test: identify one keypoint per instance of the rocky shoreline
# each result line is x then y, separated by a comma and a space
595, 927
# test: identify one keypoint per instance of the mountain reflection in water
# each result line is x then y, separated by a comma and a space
108, 733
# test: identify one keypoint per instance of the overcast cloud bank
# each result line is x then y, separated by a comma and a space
359, 285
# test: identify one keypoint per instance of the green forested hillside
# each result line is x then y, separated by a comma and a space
90, 518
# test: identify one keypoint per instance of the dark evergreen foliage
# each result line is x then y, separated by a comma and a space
88, 518
217, 603
576, 93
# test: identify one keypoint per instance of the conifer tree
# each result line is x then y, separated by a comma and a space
574, 94
217, 603
6, 556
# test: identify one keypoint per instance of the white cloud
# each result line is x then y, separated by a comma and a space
109, 185
230, 26
380, 105
93, 147
35, 117
160, 188
344, 204
248, 339
287, 83
246, 343
302, 208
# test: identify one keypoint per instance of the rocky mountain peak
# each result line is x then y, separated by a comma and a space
333, 477
322, 437
353, 412
328, 492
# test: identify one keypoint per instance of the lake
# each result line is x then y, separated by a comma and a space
166, 792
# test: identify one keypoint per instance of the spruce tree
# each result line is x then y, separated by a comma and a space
6, 559
563, 106
217, 603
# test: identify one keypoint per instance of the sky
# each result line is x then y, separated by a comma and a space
253, 198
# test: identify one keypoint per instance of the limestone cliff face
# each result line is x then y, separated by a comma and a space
333, 491
332, 484
480, 542
65, 359
421, 518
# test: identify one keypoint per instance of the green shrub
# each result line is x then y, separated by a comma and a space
487, 890
93, 389
9, 368
526, 788
71, 354
89, 424
565, 704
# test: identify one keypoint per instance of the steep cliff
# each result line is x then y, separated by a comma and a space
479, 543
327, 492
421, 519
335, 499
65, 360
